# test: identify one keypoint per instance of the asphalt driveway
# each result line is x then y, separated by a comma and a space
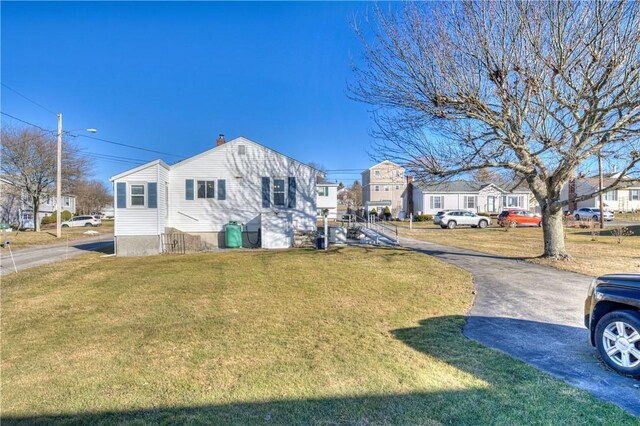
535, 313
41, 255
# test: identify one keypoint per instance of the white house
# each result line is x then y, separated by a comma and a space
618, 200
16, 208
431, 197
327, 199
271, 195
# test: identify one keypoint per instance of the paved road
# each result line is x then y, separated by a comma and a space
40, 255
535, 313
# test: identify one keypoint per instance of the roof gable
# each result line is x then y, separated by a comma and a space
137, 169
243, 140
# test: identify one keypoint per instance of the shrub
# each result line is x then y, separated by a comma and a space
422, 218
620, 233
66, 215
387, 213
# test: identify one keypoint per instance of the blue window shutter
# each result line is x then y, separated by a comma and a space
188, 189
121, 194
266, 194
222, 189
292, 192
152, 199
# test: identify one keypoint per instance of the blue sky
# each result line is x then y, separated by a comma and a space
172, 76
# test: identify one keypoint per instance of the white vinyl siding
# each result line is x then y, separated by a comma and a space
243, 180
139, 220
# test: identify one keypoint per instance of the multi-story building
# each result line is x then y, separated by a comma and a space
384, 185
16, 209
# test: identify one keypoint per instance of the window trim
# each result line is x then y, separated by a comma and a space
130, 194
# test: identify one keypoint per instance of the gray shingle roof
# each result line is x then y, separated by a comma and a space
461, 186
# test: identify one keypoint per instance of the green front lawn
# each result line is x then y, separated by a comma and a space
355, 335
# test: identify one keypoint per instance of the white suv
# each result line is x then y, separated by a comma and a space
452, 218
81, 221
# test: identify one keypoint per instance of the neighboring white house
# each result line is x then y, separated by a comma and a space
431, 197
618, 200
327, 199
16, 209
271, 195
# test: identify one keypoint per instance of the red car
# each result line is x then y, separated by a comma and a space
519, 217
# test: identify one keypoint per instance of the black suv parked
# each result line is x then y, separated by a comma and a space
612, 315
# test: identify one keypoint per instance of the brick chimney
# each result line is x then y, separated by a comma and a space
409, 195
572, 192
220, 140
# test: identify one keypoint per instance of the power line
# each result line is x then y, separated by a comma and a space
92, 137
28, 123
29, 99
127, 145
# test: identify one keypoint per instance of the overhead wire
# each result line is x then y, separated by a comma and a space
28, 99
71, 133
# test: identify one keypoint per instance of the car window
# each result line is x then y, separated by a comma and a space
469, 214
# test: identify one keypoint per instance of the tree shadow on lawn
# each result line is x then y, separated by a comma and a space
505, 392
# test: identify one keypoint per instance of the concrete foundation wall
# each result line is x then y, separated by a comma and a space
137, 245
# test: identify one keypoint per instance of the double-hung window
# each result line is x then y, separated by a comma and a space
437, 202
323, 191
279, 195
376, 188
137, 195
470, 201
611, 196
634, 194
206, 189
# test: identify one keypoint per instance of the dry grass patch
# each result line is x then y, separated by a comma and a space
356, 336
24, 239
588, 257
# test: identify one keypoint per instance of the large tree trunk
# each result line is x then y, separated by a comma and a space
553, 232
36, 210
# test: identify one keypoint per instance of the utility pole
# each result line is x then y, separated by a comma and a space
601, 185
59, 181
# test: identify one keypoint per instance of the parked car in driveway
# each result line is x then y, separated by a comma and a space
82, 221
519, 217
591, 213
612, 315
453, 218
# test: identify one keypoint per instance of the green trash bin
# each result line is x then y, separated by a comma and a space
233, 235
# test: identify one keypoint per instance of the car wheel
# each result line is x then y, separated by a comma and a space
87, 224
618, 341
594, 217
65, 226
483, 224
451, 224
577, 217
540, 224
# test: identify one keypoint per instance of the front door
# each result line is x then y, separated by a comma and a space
491, 204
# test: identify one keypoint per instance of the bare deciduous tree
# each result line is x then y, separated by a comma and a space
536, 88
91, 196
29, 162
